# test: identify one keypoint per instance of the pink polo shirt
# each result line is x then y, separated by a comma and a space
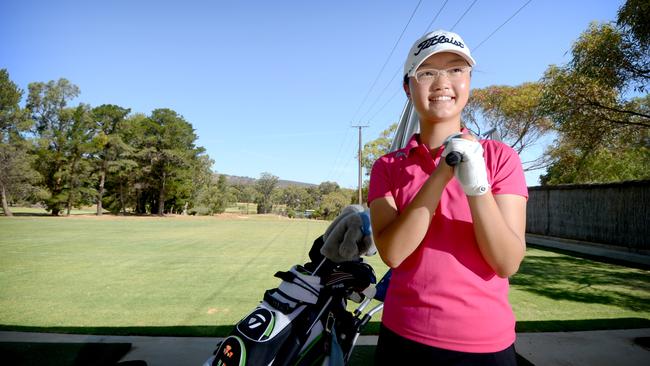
444, 294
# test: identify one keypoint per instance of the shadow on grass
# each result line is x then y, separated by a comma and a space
587, 281
27, 214
365, 356
531, 326
171, 331
372, 328
72, 214
57, 354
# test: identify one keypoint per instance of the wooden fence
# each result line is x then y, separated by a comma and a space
615, 214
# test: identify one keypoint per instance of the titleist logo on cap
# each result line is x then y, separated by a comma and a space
437, 40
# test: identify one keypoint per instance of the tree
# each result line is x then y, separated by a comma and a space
628, 161
333, 203
373, 150
264, 187
125, 172
514, 114
244, 193
202, 178
295, 198
77, 171
326, 188
168, 150
592, 86
214, 197
17, 178
592, 105
47, 104
108, 120
634, 16
621, 157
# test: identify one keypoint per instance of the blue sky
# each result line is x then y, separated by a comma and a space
274, 86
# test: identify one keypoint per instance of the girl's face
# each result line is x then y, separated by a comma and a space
442, 98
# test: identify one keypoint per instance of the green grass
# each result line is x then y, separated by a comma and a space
200, 275
555, 286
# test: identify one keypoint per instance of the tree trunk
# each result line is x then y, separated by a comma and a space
68, 206
56, 208
122, 208
100, 193
5, 206
161, 197
72, 186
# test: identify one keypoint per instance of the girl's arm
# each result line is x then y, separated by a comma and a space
499, 221
500, 227
398, 235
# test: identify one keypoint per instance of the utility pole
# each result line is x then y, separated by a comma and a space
360, 193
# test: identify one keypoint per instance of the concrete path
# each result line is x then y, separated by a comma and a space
619, 254
592, 348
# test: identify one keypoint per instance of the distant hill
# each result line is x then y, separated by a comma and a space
234, 179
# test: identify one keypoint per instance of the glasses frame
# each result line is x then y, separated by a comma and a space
438, 73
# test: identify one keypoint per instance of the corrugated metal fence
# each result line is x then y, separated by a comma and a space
615, 214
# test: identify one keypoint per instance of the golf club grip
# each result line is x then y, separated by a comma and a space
453, 158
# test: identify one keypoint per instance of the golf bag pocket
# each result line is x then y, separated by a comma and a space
258, 337
231, 352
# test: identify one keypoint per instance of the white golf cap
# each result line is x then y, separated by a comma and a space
432, 43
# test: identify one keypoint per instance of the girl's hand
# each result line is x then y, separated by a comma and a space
471, 171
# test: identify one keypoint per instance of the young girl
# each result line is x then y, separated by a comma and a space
452, 235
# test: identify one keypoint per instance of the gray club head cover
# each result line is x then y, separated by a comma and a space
345, 239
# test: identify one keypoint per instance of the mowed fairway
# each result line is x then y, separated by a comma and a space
200, 275
135, 272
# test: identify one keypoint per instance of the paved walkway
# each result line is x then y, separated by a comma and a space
592, 348
615, 253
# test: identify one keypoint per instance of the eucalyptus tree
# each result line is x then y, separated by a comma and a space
109, 120
17, 177
47, 103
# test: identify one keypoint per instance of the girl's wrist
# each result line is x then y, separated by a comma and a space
444, 171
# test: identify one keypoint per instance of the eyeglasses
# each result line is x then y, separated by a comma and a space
427, 76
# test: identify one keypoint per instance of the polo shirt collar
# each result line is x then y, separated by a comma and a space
414, 143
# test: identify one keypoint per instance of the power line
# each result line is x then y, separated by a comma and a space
462, 16
473, 49
338, 155
344, 168
382, 93
502, 24
426, 30
397, 91
336, 161
387, 59
436, 17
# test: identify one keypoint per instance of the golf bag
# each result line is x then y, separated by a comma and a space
303, 321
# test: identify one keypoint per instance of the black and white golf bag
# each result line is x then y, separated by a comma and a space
303, 321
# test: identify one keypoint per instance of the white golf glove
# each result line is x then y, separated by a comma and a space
471, 172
